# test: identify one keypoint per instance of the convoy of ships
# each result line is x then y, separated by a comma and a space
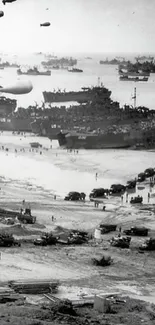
96, 123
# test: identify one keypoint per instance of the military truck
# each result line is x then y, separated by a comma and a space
106, 228
136, 231
7, 240
46, 239
131, 184
97, 193
26, 217
136, 199
120, 241
148, 245
141, 177
149, 172
117, 189
73, 196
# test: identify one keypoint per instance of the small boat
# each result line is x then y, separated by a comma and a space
75, 70
141, 187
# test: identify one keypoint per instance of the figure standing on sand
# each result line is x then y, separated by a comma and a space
96, 175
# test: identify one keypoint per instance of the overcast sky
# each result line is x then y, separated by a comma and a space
78, 26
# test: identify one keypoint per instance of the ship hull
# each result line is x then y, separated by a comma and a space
50, 97
97, 141
137, 79
16, 124
82, 96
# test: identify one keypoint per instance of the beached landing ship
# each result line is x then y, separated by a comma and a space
7, 106
34, 72
74, 140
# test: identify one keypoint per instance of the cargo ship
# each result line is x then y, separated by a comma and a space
134, 73
34, 72
115, 61
132, 78
8, 65
83, 96
144, 58
63, 62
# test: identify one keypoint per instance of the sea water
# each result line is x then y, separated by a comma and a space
122, 91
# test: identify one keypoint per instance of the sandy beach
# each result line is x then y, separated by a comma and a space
36, 178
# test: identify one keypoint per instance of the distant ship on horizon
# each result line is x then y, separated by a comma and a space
128, 77
34, 72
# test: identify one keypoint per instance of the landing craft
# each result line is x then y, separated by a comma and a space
45, 24
5, 1
1, 14
20, 88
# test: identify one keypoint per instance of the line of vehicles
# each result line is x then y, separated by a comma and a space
115, 189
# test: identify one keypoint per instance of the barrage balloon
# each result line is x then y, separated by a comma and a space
20, 88
9, 1
1, 14
45, 24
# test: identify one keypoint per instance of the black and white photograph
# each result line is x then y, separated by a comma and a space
77, 162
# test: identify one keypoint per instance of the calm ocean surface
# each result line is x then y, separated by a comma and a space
121, 91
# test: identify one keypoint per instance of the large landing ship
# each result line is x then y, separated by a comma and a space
83, 96
75, 140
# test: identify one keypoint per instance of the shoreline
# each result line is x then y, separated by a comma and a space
72, 265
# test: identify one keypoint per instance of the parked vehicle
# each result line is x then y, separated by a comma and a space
122, 242
97, 193
106, 228
47, 239
26, 217
7, 240
75, 237
117, 189
131, 184
148, 245
149, 172
141, 177
137, 231
73, 196
136, 199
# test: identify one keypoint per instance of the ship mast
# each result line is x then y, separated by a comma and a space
134, 97
98, 82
